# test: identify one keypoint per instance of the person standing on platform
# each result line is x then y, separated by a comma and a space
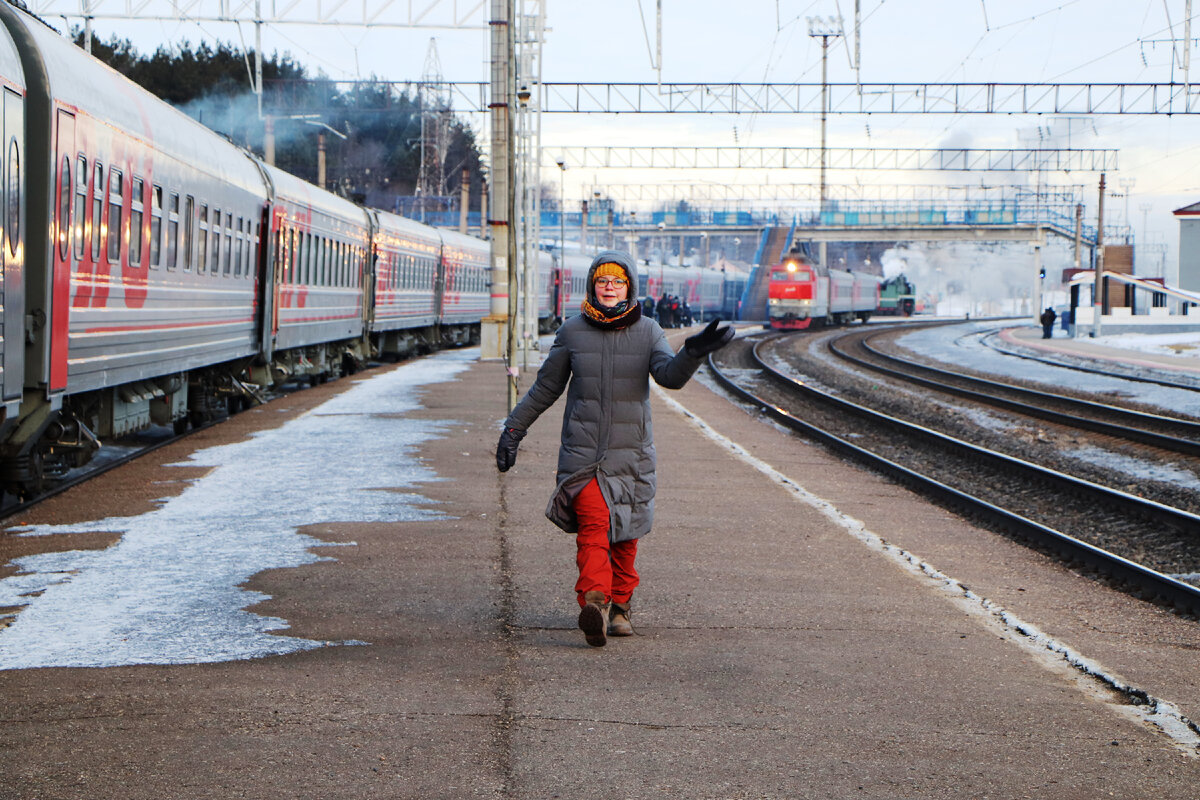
665, 318
1047, 318
604, 359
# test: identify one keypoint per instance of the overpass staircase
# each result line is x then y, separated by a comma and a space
770, 252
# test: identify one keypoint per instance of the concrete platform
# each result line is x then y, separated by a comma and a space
1030, 337
806, 630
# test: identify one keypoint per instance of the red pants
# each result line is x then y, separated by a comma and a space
603, 566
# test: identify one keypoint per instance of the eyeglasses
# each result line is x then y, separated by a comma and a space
616, 283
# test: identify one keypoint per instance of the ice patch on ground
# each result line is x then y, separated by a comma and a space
168, 592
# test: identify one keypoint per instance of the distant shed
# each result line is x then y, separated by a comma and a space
1189, 247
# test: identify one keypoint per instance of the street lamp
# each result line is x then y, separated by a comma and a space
562, 204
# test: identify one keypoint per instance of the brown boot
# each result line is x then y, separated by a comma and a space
593, 619
618, 622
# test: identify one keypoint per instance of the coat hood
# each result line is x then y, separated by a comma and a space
614, 257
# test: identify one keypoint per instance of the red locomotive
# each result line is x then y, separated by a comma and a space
803, 293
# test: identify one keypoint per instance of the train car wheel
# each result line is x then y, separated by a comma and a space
180, 426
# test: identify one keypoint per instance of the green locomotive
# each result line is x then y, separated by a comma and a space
897, 297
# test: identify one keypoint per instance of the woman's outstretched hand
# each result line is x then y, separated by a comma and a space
506, 449
708, 340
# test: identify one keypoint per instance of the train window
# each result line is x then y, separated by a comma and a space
292, 255
64, 208
214, 250
326, 262
240, 236
136, 214
295, 239
318, 279
330, 246
249, 246
306, 247
156, 204
115, 208
189, 230
12, 197
81, 176
226, 257
97, 210
202, 240
173, 231
255, 244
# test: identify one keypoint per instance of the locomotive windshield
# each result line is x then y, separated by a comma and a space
792, 272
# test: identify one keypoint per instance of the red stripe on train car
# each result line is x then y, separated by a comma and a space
169, 326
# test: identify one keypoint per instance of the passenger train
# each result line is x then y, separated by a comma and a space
802, 293
709, 292
155, 273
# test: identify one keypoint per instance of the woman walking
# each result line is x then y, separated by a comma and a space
604, 359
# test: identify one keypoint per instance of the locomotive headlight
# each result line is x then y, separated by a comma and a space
791, 266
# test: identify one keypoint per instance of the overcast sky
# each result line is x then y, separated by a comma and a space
761, 41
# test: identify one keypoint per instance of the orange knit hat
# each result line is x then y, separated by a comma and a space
610, 270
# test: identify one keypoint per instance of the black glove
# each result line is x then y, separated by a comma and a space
708, 340
506, 450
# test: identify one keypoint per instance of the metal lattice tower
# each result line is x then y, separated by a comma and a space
434, 103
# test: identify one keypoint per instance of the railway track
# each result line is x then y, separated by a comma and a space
1172, 434
1141, 543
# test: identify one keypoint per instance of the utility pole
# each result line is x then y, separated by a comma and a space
1145, 209
1126, 189
1187, 55
464, 203
502, 314
1078, 235
1098, 285
825, 28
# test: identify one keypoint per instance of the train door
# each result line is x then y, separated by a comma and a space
439, 283
557, 276
13, 259
369, 268
269, 261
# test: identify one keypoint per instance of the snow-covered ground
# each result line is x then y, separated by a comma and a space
169, 591
963, 345
1179, 345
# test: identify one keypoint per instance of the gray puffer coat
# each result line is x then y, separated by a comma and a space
606, 430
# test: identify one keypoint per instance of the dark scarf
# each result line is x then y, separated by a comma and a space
622, 315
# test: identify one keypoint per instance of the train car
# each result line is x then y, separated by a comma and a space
464, 287
403, 313
802, 293
119, 285
12, 233
569, 284
548, 320
701, 288
897, 297
314, 315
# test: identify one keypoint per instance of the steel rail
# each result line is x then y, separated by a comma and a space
1032, 397
1163, 587
1010, 351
